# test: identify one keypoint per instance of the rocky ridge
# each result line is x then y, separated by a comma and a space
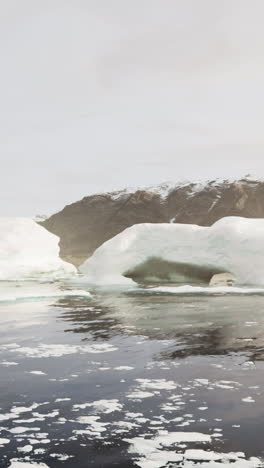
84, 225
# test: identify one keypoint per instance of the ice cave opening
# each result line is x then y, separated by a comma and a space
156, 269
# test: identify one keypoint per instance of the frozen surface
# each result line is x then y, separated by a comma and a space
233, 245
28, 251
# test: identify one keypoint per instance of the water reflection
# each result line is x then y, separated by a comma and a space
195, 325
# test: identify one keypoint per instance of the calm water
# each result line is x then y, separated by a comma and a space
82, 378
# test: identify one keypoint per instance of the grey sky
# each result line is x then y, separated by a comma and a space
100, 94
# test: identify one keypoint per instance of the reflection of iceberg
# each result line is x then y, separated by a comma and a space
181, 252
27, 251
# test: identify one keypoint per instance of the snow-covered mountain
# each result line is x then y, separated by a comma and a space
86, 224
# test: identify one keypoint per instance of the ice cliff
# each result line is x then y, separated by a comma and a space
181, 252
29, 251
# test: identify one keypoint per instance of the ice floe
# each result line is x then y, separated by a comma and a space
101, 406
4, 441
25, 449
94, 426
168, 448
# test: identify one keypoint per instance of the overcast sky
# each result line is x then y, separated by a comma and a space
100, 94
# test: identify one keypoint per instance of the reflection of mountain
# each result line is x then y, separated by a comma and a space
86, 224
210, 326
90, 319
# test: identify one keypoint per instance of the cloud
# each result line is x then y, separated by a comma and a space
98, 95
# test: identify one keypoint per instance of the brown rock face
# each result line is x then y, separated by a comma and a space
86, 224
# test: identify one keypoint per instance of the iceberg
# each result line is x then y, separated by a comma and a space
29, 251
181, 252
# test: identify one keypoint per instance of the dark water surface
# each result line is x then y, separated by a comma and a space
82, 378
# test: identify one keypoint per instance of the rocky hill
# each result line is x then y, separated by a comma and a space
86, 224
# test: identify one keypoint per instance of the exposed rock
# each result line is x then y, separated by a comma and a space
86, 224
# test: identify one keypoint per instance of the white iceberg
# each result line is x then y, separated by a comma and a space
181, 252
29, 251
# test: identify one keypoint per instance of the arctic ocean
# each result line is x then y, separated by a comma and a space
145, 377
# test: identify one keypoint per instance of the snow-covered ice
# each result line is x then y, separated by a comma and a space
29, 251
233, 245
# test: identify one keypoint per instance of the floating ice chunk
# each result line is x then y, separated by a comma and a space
22, 464
25, 449
95, 427
8, 363
29, 251
7, 416
138, 395
58, 350
23, 409
233, 245
22, 429
58, 400
39, 451
202, 381
4, 441
101, 406
61, 456
124, 368
151, 451
157, 384
248, 400
154, 453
